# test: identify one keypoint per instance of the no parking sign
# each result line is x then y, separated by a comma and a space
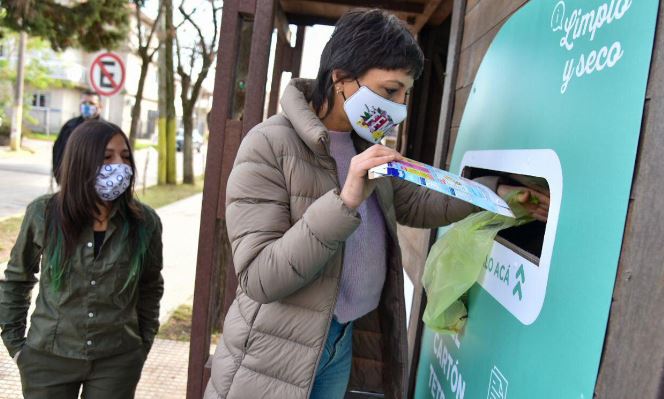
107, 74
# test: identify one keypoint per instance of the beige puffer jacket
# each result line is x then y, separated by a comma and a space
287, 227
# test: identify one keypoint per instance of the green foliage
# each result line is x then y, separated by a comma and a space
37, 75
91, 25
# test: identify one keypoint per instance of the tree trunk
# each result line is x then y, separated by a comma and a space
171, 167
188, 150
17, 109
136, 109
161, 123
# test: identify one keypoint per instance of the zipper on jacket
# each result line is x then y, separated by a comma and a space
336, 291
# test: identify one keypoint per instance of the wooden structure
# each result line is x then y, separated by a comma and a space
239, 99
455, 35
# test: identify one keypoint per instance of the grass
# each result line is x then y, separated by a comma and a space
158, 196
178, 326
141, 145
42, 136
9, 229
155, 196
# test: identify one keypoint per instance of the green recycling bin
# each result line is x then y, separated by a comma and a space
557, 105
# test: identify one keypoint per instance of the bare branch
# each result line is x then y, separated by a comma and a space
178, 51
155, 23
188, 18
215, 22
139, 25
192, 61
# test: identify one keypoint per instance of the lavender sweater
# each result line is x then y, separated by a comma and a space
365, 263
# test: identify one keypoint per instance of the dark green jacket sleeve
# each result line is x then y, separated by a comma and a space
19, 278
151, 286
417, 206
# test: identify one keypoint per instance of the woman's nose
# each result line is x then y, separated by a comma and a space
117, 158
401, 98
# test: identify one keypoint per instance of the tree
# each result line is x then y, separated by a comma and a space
37, 75
200, 55
146, 51
91, 25
167, 123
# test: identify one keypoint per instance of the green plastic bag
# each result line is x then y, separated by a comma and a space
455, 262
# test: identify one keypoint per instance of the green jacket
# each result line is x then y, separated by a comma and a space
90, 316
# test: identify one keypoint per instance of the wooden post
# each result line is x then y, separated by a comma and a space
442, 142
633, 359
296, 52
258, 64
286, 59
212, 224
277, 70
451, 71
234, 111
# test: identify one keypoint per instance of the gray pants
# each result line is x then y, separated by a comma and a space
48, 376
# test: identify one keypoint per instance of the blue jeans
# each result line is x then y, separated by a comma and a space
334, 368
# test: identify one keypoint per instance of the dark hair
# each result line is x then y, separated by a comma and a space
363, 40
90, 92
74, 207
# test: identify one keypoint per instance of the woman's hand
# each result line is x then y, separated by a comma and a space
357, 187
535, 202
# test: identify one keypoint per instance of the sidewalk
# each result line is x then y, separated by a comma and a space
165, 373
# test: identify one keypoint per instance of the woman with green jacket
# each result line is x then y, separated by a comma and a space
98, 254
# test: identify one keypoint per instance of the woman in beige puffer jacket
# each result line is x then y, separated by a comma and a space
314, 242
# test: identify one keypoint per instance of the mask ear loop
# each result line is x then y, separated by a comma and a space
342, 92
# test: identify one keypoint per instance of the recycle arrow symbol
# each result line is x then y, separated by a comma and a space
520, 275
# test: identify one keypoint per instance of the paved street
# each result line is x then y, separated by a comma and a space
26, 176
23, 177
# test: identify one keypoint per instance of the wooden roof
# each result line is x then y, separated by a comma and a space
416, 13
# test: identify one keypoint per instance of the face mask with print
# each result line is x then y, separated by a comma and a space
113, 180
373, 116
88, 111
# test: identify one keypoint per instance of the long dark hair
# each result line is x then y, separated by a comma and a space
363, 40
75, 207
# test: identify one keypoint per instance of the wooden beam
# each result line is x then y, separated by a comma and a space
280, 60
258, 64
281, 23
632, 363
451, 71
390, 5
247, 7
442, 142
207, 264
310, 20
443, 11
296, 52
424, 16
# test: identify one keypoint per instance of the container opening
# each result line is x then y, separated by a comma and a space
526, 240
